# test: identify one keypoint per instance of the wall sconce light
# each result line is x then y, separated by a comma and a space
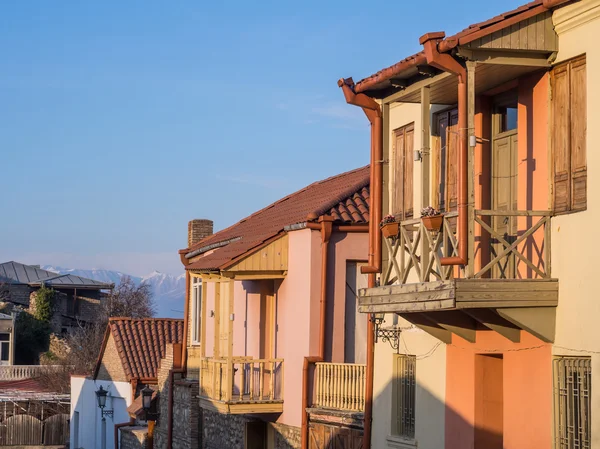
147, 393
101, 395
392, 336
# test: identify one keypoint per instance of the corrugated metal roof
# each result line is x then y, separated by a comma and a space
19, 273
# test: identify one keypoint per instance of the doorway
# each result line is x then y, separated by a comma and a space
504, 179
489, 402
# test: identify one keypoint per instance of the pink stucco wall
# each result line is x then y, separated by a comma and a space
527, 386
342, 248
297, 299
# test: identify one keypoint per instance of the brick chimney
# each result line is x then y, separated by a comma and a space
199, 229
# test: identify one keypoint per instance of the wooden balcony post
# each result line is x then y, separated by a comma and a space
425, 161
203, 318
470, 268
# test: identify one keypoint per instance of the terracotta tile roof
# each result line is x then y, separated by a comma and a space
380, 79
142, 342
345, 197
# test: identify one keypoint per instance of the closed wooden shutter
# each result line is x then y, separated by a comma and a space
560, 138
409, 145
398, 192
402, 193
452, 140
569, 128
578, 134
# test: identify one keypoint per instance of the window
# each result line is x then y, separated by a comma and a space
402, 148
569, 128
76, 430
572, 402
196, 308
4, 351
403, 390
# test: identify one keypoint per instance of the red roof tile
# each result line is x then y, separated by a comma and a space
375, 81
142, 343
345, 197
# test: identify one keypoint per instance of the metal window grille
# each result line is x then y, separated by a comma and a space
572, 402
404, 395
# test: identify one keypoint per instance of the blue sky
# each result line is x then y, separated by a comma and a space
120, 121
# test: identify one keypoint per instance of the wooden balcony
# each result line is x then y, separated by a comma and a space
509, 268
340, 386
242, 385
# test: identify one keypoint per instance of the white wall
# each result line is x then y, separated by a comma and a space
574, 246
430, 352
83, 400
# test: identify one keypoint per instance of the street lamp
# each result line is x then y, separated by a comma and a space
101, 395
147, 393
392, 336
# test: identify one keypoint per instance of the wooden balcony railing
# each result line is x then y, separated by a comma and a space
340, 386
242, 380
505, 245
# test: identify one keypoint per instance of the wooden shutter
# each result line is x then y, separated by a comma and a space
409, 145
560, 138
569, 128
453, 140
578, 134
402, 193
398, 192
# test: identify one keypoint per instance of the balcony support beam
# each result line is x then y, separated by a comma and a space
495, 322
456, 322
538, 321
422, 322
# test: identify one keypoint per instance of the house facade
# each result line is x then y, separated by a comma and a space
275, 342
135, 353
494, 305
78, 299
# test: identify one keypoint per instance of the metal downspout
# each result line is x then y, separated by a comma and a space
447, 63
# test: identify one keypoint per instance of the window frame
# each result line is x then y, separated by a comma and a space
196, 321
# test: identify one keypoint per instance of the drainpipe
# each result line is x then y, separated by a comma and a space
372, 110
131, 422
183, 369
326, 227
447, 63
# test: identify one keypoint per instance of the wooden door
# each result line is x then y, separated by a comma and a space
355, 323
256, 435
323, 436
489, 402
402, 179
504, 182
267, 334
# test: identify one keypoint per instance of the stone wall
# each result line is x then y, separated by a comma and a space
221, 431
286, 437
228, 431
19, 294
134, 437
186, 425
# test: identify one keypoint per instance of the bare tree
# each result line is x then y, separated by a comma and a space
129, 300
84, 343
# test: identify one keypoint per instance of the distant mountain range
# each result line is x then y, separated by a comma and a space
168, 290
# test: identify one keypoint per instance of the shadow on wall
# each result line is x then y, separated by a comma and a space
399, 397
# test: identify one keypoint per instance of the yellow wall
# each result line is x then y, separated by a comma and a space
574, 246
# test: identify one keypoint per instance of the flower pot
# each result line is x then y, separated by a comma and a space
390, 230
433, 223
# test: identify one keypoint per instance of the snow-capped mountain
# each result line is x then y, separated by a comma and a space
169, 290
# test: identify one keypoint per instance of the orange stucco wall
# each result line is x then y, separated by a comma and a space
527, 390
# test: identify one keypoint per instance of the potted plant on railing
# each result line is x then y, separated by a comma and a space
432, 219
389, 226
